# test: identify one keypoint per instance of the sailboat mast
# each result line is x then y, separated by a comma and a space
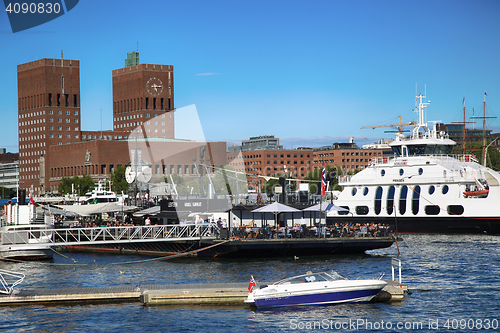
484, 129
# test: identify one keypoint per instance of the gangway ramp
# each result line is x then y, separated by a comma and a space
108, 235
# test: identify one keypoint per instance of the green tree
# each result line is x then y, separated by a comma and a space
118, 180
81, 186
476, 148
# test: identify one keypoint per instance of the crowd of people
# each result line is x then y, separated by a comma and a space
251, 231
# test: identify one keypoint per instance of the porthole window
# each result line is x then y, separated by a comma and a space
420, 171
362, 210
354, 191
445, 189
382, 173
401, 172
344, 212
365, 191
432, 210
431, 189
455, 210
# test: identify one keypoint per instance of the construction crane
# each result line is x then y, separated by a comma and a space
399, 126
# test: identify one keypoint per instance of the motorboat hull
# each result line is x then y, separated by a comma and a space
36, 252
332, 297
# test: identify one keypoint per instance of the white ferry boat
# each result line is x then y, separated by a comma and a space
423, 189
100, 195
23, 236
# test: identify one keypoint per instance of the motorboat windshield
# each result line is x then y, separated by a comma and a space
319, 277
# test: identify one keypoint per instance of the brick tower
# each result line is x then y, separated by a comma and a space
48, 114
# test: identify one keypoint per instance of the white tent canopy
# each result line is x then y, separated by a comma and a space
105, 207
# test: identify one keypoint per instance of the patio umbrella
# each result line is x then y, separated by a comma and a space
275, 208
326, 207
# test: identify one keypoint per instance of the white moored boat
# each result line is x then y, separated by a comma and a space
315, 289
423, 189
21, 238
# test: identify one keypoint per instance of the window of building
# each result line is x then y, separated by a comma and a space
51, 136
59, 112
51, 111
51, 128
59, 136
76, 128
68, 120
76, 120
51, 120
68, 128
59, 128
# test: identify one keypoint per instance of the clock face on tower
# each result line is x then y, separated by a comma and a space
154, 86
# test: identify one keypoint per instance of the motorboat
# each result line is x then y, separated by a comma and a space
315, 289
422, 188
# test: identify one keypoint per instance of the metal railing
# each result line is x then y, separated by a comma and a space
107, 235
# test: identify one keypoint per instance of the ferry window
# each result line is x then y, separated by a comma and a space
455, 210
390, 200
416, 200
401, 172
445, 189
420, 171
378, 200
429, 149
416, 149
402, 200
362, 210
382, 173
354, 191
431, 189
432, 210
396, 151
344, 212
365, 191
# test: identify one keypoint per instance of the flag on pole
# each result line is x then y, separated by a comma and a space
251, 285
323, 180
485, 94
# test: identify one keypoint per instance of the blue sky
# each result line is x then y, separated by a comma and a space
308, 72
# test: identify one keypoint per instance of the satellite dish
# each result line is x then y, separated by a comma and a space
129, 175
145, 175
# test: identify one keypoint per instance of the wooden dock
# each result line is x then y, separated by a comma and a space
215, 293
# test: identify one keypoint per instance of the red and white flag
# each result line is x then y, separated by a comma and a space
251, 285
323, 181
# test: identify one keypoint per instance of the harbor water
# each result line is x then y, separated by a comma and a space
453, 279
